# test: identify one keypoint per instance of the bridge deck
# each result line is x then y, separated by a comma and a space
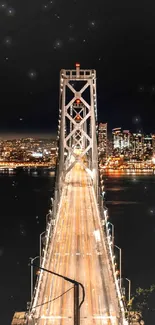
78, 251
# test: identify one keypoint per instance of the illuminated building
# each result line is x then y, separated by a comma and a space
116, 141
148, 149
153, 144
137, 146
102, 141
126, 139
120, 142
28, 149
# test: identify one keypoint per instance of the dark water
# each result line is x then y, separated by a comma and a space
24, 202
131, 204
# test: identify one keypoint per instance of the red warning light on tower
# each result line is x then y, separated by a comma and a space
78, 118
77, 65
78, 101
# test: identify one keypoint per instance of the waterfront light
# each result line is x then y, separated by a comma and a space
153, 160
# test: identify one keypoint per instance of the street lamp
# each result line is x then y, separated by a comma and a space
77, 304
120, 264
32, 260
47, 215
40, 245
129, 289
112, 227
52, 200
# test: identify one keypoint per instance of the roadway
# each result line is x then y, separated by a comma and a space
78, 251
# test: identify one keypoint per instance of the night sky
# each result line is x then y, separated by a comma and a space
39, 38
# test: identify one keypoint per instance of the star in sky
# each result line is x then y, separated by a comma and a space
136, 119
57, 16
92, 25
57, 44
32, 74
8, 41
22, 230
10, 11
48, 5
141, 88
3, 5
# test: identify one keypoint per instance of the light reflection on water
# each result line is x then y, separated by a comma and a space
34, 172
122, 173
119, 188
121, 202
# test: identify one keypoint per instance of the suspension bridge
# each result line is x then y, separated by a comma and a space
78, 244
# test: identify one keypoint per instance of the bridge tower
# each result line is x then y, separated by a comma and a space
77, 140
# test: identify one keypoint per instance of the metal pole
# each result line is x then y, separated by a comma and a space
40, 250
129, 297
120, 264
129, 289
76, 305
113, 235
31, 284
31, 279
120, 268
66, 279
40, 247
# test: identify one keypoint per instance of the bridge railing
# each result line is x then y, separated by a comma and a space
108, 241
49, 236
37, 288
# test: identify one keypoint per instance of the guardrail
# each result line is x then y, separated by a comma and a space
36, 293
49, 235
108, 241
50, 227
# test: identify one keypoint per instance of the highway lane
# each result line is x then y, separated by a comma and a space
78, 251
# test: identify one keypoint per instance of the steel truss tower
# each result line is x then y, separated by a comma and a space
78, 123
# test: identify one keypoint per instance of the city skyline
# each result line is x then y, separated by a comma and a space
124, 143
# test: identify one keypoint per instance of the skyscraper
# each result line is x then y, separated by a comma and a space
121, 142
137, 145
102, 141
148, 148
116, 141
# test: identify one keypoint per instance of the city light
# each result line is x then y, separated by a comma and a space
26, 152
153, 160
126, 150
37, 154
